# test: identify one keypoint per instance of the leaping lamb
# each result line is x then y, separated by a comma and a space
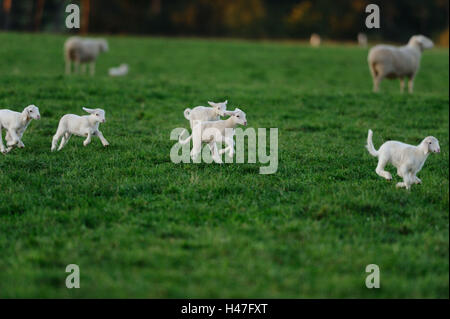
86, 126
15, 124
408, 159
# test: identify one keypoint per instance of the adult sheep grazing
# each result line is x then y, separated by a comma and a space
83, 51
15, 124
387, 61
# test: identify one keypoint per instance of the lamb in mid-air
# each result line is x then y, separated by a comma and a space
387, 61
203, 113
15, 124
408, 159
82, 51
213, 132
86, 126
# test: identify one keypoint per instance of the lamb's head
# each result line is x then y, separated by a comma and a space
239, 116
431, 145
421, 41
31, 112
97, 114
103, 45
220, 107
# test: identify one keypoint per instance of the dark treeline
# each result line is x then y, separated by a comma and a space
336, 20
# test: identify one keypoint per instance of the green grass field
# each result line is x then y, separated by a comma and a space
140, 226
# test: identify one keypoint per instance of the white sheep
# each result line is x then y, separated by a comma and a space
86, 125
82, 51
387, 61
213, 132
362, 40
15, 124
315, 40
408, 159
203, 113
121, 70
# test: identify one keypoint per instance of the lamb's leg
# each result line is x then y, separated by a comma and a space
92, 68
64, 140
408, 178
14, 138
88, 139
56, 137
215, 153
2, 146
402, 85
102, 138
417, 180
229, 147
8, 138
376, 83
377, 75
380, 168
410, 84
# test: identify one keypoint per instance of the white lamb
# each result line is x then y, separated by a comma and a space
82, 51
86, 125
15, 124
213, 132
408, 159
387, 61
362, 40
315, 40
203, 113
121, 70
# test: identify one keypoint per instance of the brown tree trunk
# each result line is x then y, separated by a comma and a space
7, 10
38, 15
85, 9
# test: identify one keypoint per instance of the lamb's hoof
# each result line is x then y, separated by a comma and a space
21, 146
105, 145
3, 151
399, 185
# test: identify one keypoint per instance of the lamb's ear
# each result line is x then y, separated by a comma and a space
229, 113
25, 115
226, 101
211, 103
427, 148
88, 110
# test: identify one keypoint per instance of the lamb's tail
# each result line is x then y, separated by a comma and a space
370, 146
187, 113
186, 140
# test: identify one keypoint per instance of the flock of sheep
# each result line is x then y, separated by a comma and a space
385, 61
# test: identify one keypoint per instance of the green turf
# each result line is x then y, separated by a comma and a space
140, 226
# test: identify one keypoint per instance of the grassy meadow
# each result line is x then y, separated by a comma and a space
140, 226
